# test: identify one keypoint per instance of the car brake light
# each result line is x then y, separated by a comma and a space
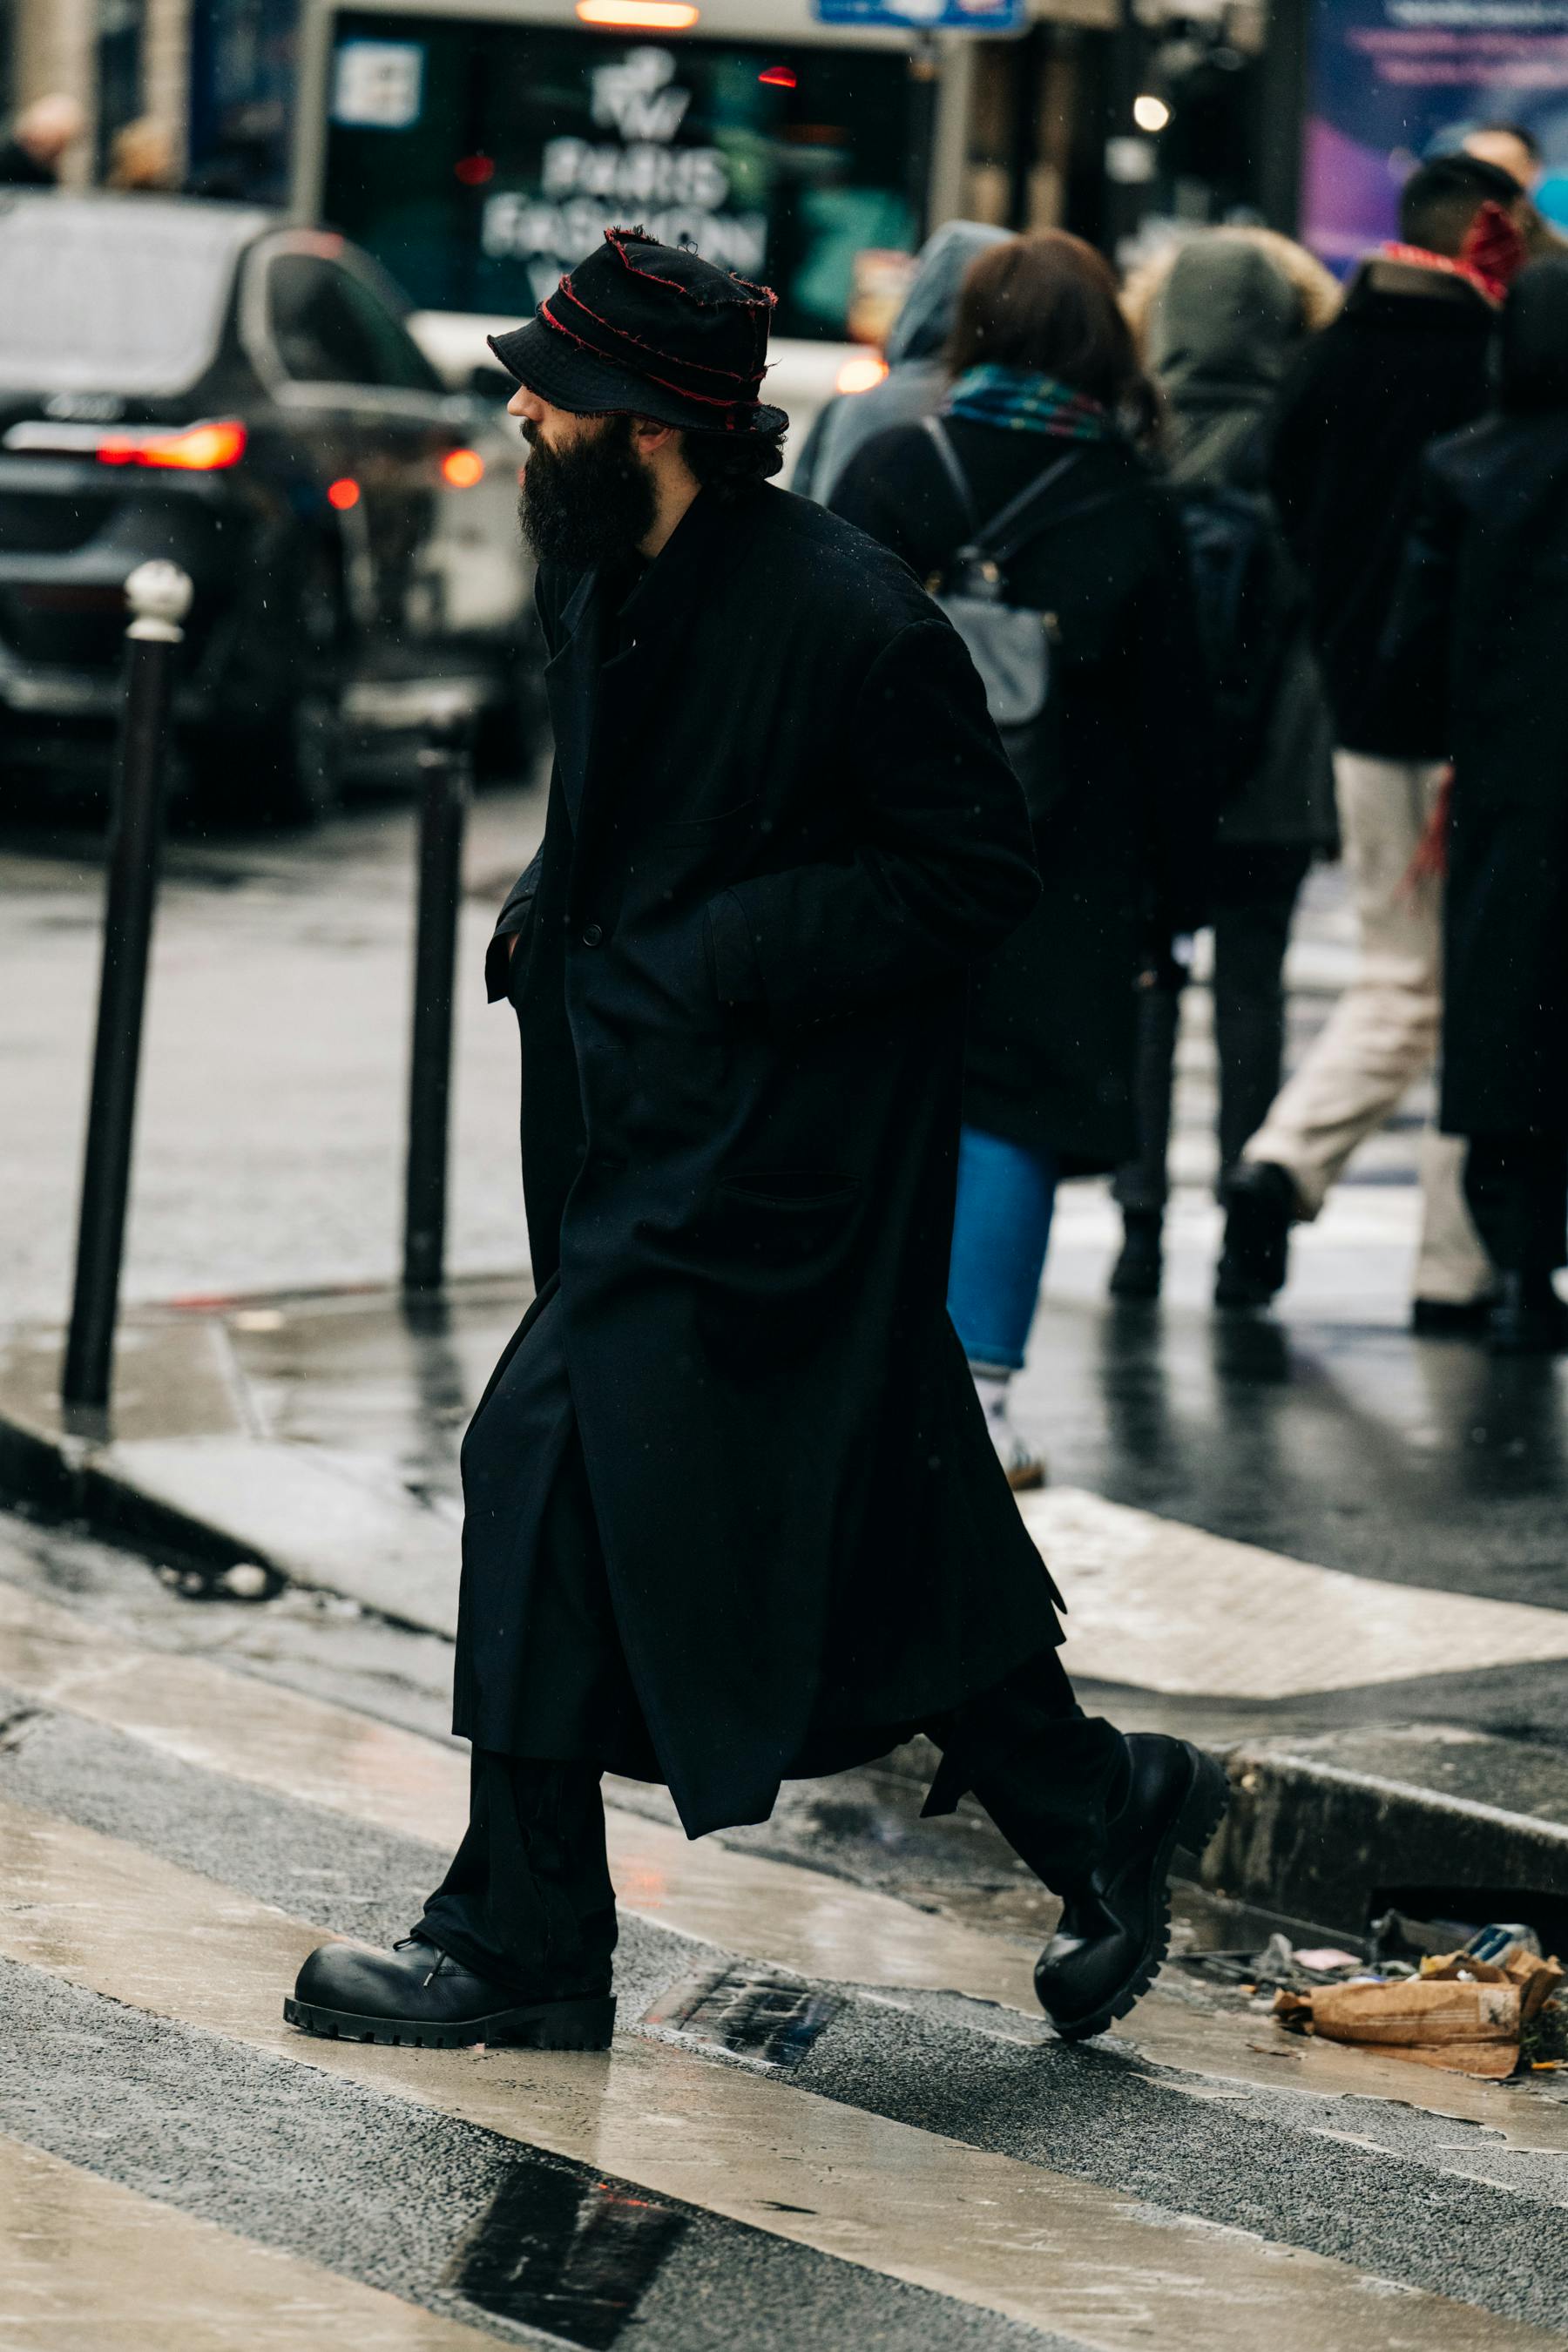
862, 374
461, 469
644, 15
197, 449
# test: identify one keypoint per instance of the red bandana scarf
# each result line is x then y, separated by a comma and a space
1490, 258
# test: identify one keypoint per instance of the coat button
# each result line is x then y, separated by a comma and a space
593, 935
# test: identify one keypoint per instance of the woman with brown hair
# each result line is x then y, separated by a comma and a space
1046, 390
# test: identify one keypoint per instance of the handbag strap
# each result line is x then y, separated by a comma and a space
1002, 537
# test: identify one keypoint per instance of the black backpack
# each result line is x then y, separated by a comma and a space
1244, 599
1010, 644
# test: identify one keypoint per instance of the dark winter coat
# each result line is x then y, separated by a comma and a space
1478, 636
1405, 363
1124, 837
781, 831
1224, 327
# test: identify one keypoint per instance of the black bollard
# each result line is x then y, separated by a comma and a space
446, 778
159, 595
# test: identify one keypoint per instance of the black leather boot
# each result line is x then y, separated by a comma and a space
417, 1995
1261, 1206
1451, 1319
1137, 1272
1115, 1928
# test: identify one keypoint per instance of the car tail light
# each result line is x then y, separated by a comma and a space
645, 16
864, 373
195, 449
461, 469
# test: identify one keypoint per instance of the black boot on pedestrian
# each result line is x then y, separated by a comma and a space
1136, 1274
1261, 1206
416, 1995
1115, 1928
1526, 1316
1451, 1319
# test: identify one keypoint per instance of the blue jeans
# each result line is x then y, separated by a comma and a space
1001, 1229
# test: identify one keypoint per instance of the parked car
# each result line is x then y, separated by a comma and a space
207, 383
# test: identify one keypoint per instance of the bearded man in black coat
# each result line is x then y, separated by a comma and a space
732, 1511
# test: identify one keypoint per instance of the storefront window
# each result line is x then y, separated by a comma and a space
478, 161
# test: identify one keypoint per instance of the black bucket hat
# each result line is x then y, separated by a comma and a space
651, 331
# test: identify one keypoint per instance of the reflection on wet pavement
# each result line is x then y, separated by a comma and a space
563, 2255
1352, 1445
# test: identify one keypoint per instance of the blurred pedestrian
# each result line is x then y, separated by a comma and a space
1046, 393
1478, 633
1405, 361
1220, 319
142, 157
39, 140
732, 1511
917, 377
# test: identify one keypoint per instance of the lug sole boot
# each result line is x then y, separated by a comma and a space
416, 1997
1115, 1931
1137, 1271
1260, 1206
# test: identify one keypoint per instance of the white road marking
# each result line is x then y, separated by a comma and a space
1165, 1607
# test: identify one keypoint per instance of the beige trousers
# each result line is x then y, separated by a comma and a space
1383, 1033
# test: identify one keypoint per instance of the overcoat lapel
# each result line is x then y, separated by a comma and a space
599, 707
690, 575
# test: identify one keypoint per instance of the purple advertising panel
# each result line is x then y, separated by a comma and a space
1394, 82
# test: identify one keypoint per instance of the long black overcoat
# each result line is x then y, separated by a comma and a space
781, 831
1124, 825
1476, 638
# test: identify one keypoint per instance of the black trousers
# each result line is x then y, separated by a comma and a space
1517, 1187
528, 1901
1255, 888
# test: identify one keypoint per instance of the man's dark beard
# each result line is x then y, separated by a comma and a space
589, 503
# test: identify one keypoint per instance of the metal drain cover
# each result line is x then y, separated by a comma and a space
763, 2018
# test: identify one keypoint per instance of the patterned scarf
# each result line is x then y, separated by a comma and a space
1022, 402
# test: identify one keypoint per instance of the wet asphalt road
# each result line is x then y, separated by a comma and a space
269, 1156
144, 1927
271, 1117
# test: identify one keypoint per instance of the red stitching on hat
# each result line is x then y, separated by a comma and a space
616, 237
624, 334
705, 399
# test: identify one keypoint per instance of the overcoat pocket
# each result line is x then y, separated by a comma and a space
738, 815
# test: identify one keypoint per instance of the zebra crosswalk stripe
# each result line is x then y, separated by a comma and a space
1057, 2253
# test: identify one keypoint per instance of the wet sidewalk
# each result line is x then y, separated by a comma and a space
315, 1435
1388, 1731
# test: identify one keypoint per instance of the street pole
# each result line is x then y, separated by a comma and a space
159, 595
444, 767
